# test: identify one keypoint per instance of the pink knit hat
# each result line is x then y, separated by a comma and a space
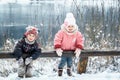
31, 30
69, 20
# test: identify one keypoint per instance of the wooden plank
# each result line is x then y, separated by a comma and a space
100, 53
84, 53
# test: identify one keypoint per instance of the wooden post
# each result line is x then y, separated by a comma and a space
82, 64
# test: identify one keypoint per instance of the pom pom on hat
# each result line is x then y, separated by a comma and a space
31, 30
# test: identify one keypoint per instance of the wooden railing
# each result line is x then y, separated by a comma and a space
82, 64
84, 53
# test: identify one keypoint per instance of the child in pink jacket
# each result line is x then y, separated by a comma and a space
68, 38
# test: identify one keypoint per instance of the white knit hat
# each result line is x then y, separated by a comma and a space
69, 20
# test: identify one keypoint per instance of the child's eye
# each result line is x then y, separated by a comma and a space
70, 26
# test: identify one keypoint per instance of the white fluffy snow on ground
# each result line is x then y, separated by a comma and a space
44, 71
98, 76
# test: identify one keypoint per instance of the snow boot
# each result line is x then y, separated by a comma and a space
69, 72
29, 71
60, 72
21, 77
21, 71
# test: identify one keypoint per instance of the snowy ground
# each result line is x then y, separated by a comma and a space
46, 69
98, 76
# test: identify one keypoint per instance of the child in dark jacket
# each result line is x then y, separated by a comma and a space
27, 50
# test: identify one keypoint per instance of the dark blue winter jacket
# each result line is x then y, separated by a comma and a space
23, 49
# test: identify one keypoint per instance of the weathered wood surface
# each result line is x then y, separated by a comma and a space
84, 53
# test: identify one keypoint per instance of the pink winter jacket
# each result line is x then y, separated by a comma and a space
68, 42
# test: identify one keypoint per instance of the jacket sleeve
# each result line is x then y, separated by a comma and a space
18, 50
58, 40
36, 52
80, 41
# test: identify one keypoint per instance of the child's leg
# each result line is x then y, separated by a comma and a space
21, 69
61, 65
69, 62
29, 70
69, 65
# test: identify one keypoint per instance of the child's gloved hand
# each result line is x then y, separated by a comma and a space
77, 52
59, 52
20, 61
28, 60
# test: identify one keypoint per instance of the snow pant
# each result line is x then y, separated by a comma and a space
63, 62
25, 70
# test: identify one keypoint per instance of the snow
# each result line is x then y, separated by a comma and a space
43, 70
53, 76
46, 69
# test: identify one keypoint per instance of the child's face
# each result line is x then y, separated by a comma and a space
70, 28
31, 37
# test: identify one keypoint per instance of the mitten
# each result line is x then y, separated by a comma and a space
77, 52
59, 52
28, 60
20, 61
